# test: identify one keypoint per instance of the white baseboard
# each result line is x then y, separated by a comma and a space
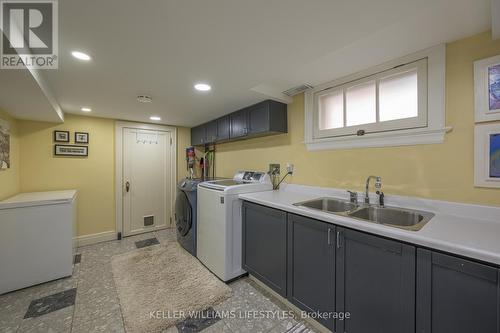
94, 238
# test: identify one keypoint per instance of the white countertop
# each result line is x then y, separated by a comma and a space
38, 199
468, 230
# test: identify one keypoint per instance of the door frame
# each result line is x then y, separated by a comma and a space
119, 186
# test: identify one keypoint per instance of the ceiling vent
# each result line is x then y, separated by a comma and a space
144, 99
297, 90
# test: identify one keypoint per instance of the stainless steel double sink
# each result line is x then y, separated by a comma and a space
408, 219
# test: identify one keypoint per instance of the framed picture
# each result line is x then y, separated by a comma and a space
69, 150
61, 136
4, 145
487, 155
487, 89
81, 137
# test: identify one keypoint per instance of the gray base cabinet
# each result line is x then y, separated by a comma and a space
311, 266
264, 245
455, 295
386, 286
375, 284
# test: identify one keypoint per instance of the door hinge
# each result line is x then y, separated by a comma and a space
339, 239
171, 141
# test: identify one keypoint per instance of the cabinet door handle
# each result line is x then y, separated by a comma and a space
329, 236
339, 239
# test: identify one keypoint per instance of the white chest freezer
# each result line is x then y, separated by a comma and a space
36, 238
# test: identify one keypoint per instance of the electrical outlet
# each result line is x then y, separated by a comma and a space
289, 168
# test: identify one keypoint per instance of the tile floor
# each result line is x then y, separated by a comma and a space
97, 309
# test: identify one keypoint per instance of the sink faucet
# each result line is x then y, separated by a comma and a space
353, 196
378, 186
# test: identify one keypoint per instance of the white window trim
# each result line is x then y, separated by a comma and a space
433, 133
398, 124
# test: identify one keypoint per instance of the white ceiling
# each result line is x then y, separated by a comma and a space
161, 48
22, 96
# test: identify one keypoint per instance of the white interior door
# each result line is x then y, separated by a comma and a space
146, 180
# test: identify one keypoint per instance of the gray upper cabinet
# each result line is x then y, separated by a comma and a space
375, 283
265, 118
211, 132
258, 119
455, 295
238, 124
311, 266
223, 129
198, 135
264, 245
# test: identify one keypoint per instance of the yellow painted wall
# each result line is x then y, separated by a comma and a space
9, 179
440, 171
183, 141
93, 176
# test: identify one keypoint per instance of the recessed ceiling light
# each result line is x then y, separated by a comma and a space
85, 109
80, 55
155, 118
202, 87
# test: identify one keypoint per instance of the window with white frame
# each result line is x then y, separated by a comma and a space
390, 104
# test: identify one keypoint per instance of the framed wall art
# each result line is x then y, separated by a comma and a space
61, 136
487, 155
81, 137
4, 145
70, 150
487, 89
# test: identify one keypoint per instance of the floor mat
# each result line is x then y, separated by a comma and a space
159, 286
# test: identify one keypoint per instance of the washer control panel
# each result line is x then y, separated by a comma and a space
251, 176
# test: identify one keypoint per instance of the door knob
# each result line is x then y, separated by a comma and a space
127, 186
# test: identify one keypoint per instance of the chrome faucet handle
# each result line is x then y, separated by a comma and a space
381, 197
353, 196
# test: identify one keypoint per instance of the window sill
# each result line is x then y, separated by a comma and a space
385, 139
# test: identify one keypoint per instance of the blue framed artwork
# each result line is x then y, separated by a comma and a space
487, 89
487, 155
494, 155
494, 87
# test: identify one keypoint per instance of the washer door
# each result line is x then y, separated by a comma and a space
183, 214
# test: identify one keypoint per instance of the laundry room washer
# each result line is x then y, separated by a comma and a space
219, 225
185, 214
